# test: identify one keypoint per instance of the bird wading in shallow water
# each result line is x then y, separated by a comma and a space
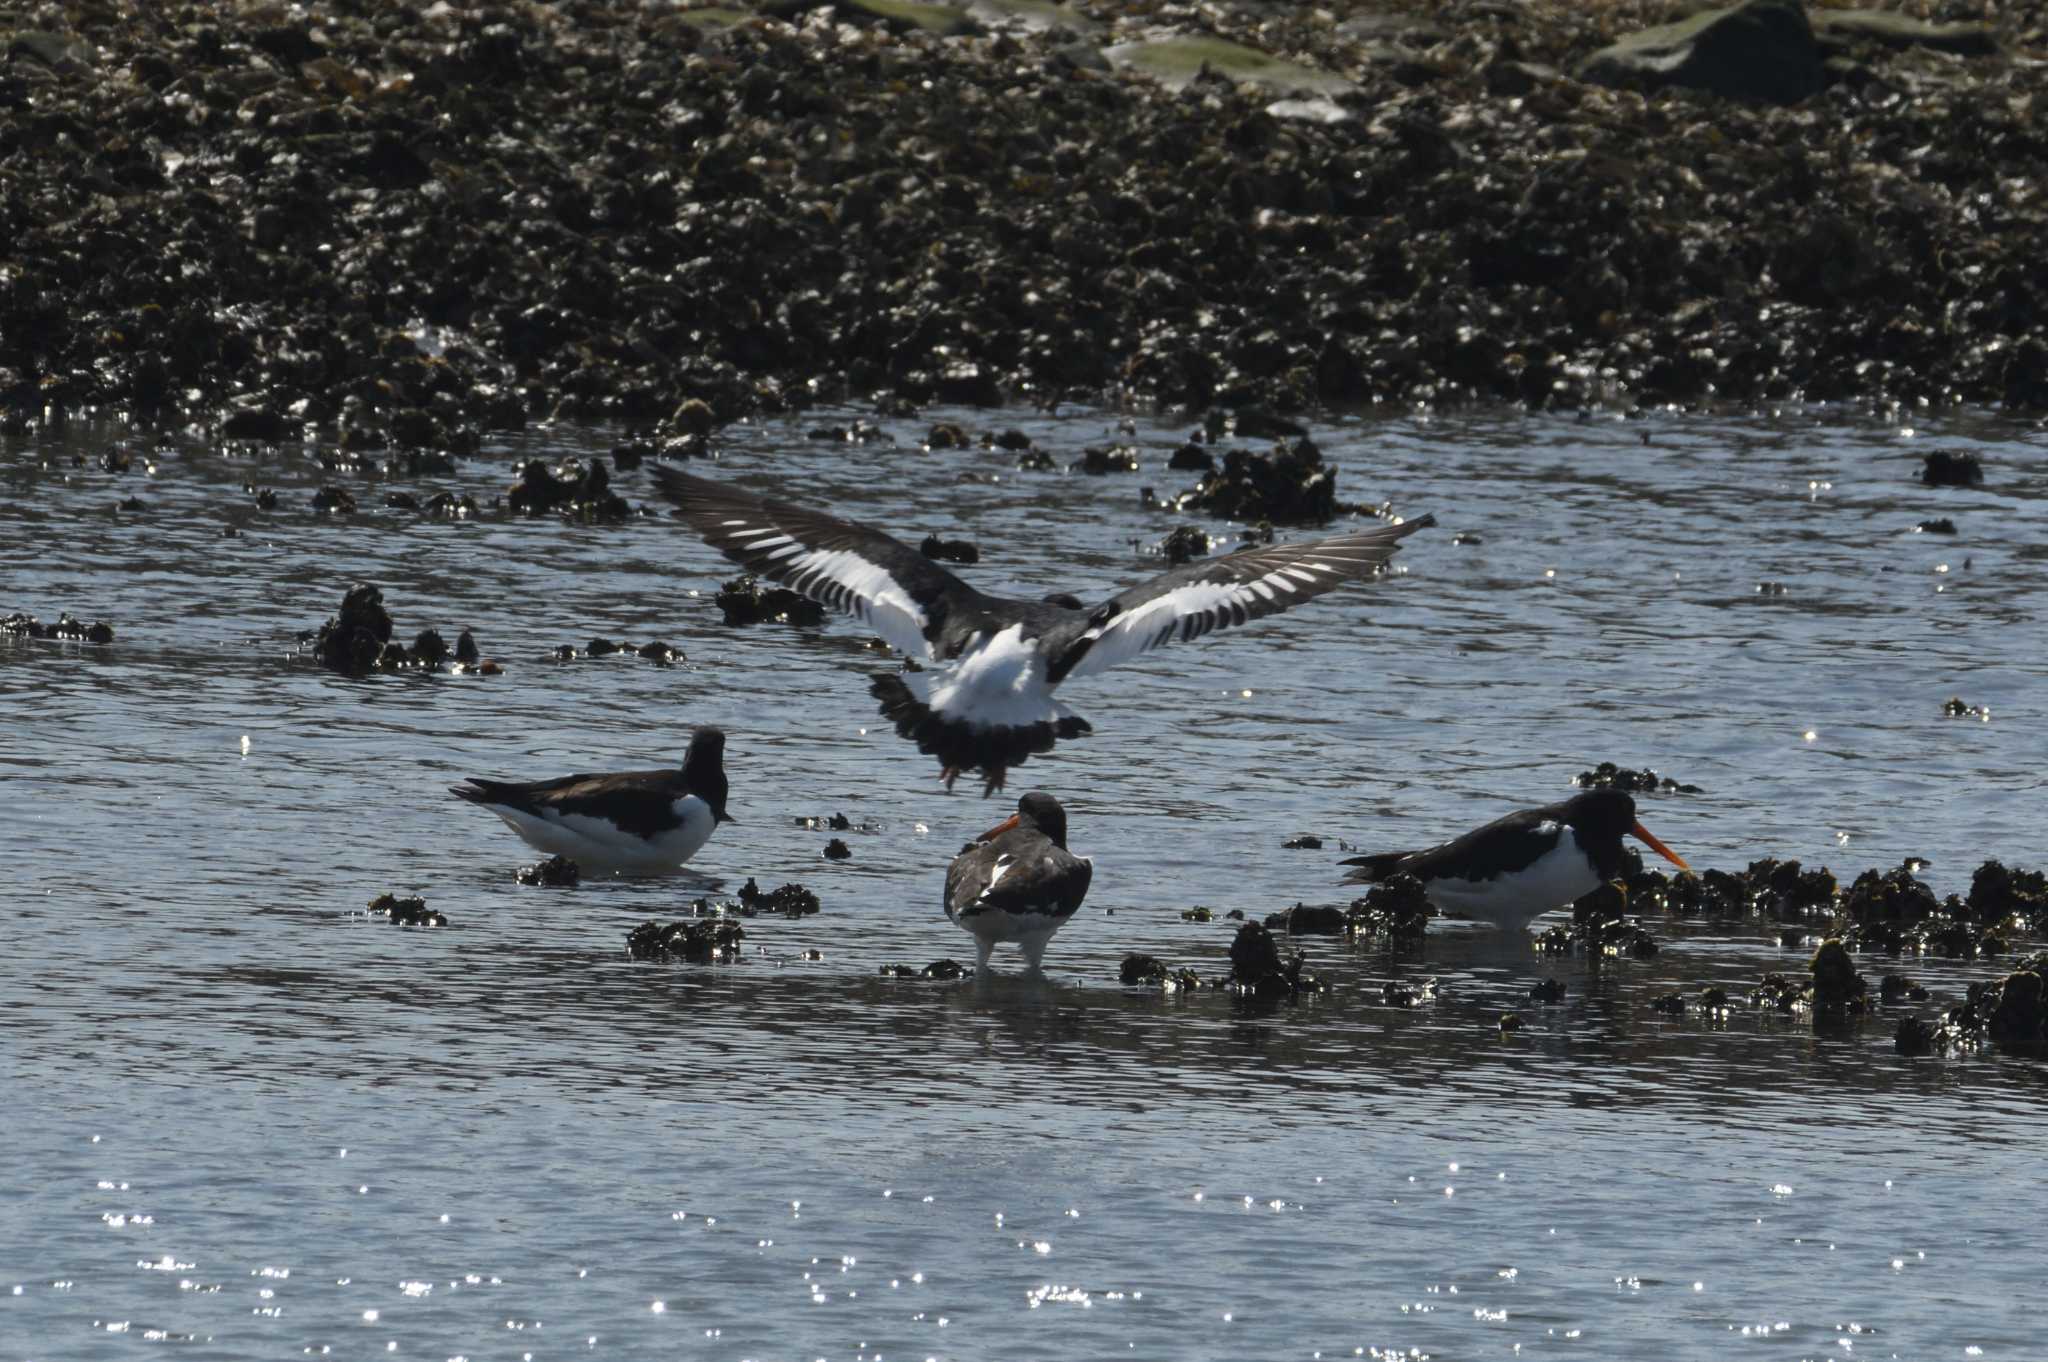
1519, 867
987, 703
1018, 882
632, 822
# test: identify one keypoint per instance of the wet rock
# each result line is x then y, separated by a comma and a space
1669, 1004
1190, 457
1289, 485
1258, 969
67, 627
406, 912
601, 647
573, 491
465, 648
332, 500
949, 550
1098, 460
1304, 920
791, 900
556, 872
1150, 971
1762, 50
1958, 708
744, 601
1607, 775
1198, 913
1547, 992
1395, 909
1510, 1022
944, 969
700, 941
660, 654
1897, 988
1467, 537
837, 850
2002, 896
946, 435
1305, 842
1947, 468
351, 641
1914, 1036
839, 822
1184, 543
1942, 526
1836, 984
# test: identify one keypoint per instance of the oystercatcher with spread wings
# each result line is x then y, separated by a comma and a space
987, 703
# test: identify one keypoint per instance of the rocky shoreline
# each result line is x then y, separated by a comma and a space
403, 226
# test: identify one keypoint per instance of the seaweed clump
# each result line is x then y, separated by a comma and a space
743, 600
1257, 969
406, 912
790, 900
700, 941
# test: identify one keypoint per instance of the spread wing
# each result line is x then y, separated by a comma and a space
862, 572
1236, 589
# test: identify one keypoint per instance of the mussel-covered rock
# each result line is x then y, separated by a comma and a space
743, 600
556, 872
1258, 969
701, 941
409, 911
790, 900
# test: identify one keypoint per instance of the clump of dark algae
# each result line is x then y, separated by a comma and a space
688, 251
575, 491
1258, 970
2011, 1013
1600, 926
1608, 776
556, 872
1395, 912
67, 628
406, 912
790, 900
743, 600
699, 941
1947, 468
1149, 971
837, 850
943, 970
358, 640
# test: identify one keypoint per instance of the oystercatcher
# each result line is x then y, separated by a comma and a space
1018, 882
634, 822
988, 704
1519, 867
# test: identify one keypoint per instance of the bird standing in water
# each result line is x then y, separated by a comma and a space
1018, 882
632, 822
1521, 866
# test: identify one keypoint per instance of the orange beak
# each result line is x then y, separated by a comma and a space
1666, 852
1014, 819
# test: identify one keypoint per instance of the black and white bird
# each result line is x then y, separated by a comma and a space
1519, 867
1018, 882
987, 702
629, 822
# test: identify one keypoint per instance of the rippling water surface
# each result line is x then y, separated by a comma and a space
244, 1119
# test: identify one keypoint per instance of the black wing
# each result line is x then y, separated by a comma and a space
848, 567
1189, 602
1511, 843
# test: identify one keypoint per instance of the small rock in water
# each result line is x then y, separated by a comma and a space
949, 550
1395, 910
1185, 543
836, 850
407, 912
1308, 841
1958, 708
1302, 920
1547, 992
1258, 969
1942, 526
1607, 775
557, 872
700, 941
743, 601
792, 900
1946, 468
944, 969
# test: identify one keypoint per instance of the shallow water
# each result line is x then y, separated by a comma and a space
247, 1118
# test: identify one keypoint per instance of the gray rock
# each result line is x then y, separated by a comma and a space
1763, 50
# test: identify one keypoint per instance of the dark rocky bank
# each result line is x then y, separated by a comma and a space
403, 225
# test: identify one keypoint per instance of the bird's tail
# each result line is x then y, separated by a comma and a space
961, 744
1375, 868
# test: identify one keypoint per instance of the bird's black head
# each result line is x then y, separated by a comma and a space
704, 771
1605, 814
1604, 817
1040, 810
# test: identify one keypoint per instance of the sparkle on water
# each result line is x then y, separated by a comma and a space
202, 1018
